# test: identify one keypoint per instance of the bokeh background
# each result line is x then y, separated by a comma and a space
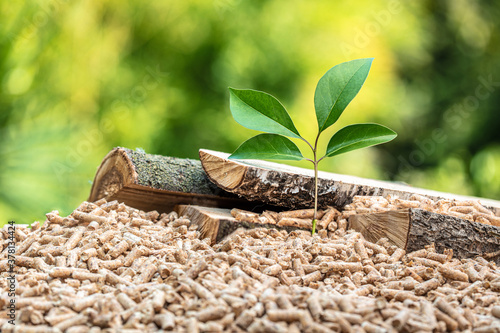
78, 78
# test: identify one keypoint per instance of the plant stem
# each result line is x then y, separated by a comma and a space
316, 161
315, 196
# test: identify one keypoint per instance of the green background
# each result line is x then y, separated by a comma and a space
78, 78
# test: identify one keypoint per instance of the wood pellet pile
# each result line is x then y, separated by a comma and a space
111, 268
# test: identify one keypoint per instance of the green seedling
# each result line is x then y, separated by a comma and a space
335, 90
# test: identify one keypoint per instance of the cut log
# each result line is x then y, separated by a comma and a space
217, 223
153, 182
412, 229
293, 187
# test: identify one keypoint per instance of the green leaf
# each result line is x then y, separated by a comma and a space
358, 136
269, 147
260, 111
337, 88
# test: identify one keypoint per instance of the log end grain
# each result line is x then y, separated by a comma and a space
394, 225
228, 175
115, 171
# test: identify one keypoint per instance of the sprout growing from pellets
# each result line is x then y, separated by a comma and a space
335, 90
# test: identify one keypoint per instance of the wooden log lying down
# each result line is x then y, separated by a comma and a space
154, 182
412, 229
293, 187
217, 223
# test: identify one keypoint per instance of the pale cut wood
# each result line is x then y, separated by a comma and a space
393, 225
208, 220
293, 187
412, 229
154, 182
217, 223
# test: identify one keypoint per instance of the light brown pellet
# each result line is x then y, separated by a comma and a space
211, 314
118, 249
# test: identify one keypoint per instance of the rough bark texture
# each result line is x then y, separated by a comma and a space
172, 174
154, 182
467, 239
217, 223
281, 189
293, 187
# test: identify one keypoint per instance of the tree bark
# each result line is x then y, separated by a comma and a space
413, 229
154, 182
217, 223
293, 187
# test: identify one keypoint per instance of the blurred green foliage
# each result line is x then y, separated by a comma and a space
78, 78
